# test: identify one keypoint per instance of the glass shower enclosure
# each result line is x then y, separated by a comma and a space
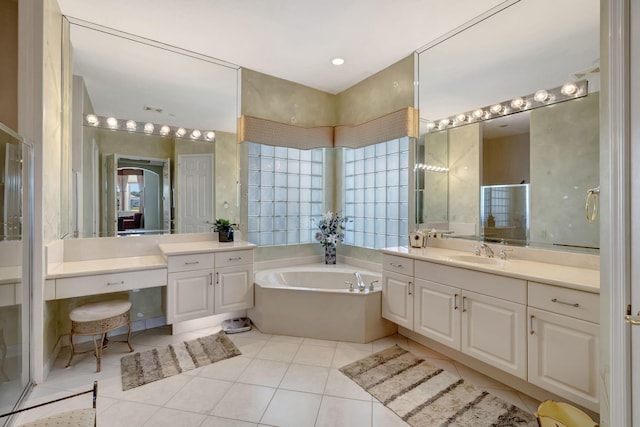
16, 194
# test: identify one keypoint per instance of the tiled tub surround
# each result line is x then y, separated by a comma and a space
313, 301
530, 323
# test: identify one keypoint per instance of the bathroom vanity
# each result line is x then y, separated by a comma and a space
201, 277
536, 321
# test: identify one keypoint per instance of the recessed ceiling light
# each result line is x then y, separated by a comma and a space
337, 61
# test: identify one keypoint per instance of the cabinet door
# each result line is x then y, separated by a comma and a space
189, 295
495, 331
233, 288
437, 312
397, 298
563, 356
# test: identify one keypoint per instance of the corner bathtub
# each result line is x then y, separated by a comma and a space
313, 301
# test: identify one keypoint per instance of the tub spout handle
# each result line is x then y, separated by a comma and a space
351, 289
371, 285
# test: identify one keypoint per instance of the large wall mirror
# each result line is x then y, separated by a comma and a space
508, 152
153, 135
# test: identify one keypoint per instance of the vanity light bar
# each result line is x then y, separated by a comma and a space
540, 98
433, 168
148, 128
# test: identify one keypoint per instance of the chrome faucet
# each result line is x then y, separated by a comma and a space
487, 250
361, 285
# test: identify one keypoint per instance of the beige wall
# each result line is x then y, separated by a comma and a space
9, 69
271, 98
564, 165
505, 160
464, 175
387, 91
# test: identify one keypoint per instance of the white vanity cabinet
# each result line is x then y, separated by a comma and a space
474, 322
190, 287
233, 288
563, 342
397, 290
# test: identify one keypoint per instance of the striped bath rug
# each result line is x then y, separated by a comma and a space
158, 363
424, 395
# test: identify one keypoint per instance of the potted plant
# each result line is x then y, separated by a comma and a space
224, 227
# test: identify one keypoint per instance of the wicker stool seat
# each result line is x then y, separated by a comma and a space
98, 319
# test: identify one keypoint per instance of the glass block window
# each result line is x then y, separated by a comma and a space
285, 193
376, 194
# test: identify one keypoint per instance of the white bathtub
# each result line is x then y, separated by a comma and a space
313, 301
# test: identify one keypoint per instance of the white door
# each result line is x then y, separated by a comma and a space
437, 312
195, 193
189, 295
233, 289
563, 356
495, 331
397, 298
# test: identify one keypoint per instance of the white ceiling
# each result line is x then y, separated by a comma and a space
293, 40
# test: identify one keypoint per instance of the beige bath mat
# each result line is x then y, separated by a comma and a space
424, 395
152, 365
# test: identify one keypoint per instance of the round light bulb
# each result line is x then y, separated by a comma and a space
461, 118
477, 114
541, 95
131, 125
164, 130
180, 132
195, 134
496, 108
92, 119
112, 122
337, 61
148, 128
569, 89
517, 103
210, 135
444, 123
431, 126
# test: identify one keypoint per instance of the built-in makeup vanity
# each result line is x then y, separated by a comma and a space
202, 277
534, 320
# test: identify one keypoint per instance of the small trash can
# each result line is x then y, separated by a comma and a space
558, 414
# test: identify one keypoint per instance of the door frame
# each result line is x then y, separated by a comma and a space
616, 242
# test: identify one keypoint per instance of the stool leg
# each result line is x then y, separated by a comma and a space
129, 337
3, 354
72, 349
98, 349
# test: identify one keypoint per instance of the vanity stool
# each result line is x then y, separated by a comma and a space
98, 319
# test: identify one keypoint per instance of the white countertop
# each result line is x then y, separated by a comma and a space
583, 279
11, 274
203, 246
106, 265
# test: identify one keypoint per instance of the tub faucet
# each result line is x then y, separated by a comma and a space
361, 285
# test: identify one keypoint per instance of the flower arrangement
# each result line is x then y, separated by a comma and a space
331, 229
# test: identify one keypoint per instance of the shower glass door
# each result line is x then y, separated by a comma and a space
15, 221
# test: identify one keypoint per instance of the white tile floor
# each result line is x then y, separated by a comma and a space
278, 381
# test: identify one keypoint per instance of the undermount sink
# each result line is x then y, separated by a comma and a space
473, 259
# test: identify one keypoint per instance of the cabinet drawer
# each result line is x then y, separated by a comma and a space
105, 283
398, 264
570, 302
227, 259
178, 263
502, 287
